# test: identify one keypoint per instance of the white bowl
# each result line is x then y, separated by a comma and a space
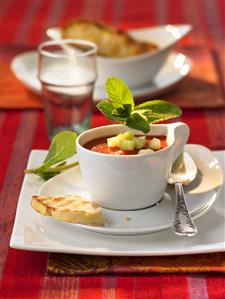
139, 69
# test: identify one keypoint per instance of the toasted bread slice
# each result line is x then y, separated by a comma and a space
110, 41
70, 208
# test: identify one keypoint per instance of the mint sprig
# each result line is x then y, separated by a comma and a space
120, 107
118, 92
62, 147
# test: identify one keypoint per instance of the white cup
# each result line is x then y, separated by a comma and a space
129, 182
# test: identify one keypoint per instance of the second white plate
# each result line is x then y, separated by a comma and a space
200, 195
177, 66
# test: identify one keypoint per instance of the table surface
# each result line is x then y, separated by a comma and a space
23, 23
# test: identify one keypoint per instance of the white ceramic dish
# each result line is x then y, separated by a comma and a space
129, 182
140, 69
41, 234
177, 67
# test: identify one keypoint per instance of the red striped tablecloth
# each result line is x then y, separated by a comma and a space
23, 23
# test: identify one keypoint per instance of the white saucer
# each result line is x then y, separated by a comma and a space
199, 195
24, 67
30, 233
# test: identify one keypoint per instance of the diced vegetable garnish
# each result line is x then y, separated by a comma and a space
128, 142
129, 135
113, 142
121, 136
155, 144
145, 151
127, 145
139, 142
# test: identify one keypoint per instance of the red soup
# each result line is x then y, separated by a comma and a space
100, 145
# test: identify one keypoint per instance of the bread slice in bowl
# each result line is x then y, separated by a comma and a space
111, 42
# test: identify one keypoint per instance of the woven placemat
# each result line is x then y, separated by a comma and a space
13, 94
203, 87
69, 264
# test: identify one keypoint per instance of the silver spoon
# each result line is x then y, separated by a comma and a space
183, 174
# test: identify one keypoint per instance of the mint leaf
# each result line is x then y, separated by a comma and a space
121, 112
120, 107
118, 91
106, 108
159, 110
120, 103
63, 146
47, 175
115, 111
137, 122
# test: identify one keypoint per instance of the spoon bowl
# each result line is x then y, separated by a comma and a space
185, 172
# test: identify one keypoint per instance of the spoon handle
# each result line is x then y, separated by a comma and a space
183, 224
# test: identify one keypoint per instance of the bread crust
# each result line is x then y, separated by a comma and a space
70, 208
110, 41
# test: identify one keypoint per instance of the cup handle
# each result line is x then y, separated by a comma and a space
181, 134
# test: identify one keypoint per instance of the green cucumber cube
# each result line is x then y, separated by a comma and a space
121, 136
129, 135
139, 142
127, 145
113, 142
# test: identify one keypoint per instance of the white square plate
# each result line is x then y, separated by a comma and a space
29, 233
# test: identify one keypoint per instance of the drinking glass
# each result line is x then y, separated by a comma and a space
67, 72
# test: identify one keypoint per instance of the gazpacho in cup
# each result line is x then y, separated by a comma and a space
127, 144
130, 181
